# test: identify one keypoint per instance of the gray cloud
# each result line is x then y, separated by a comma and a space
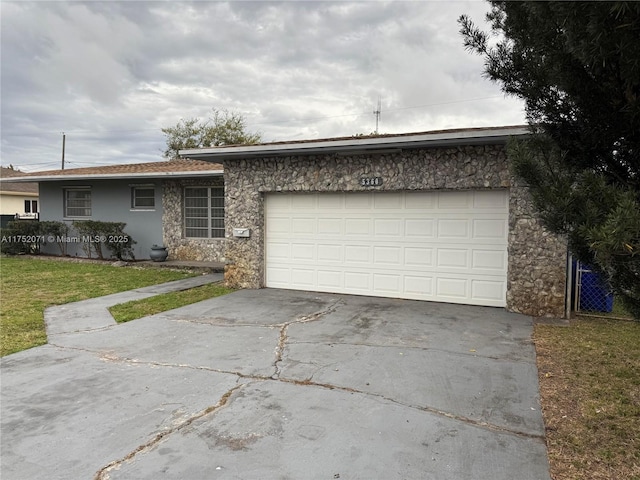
111, 74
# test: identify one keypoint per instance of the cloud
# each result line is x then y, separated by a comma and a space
111, 74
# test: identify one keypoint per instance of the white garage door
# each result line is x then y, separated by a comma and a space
438, 246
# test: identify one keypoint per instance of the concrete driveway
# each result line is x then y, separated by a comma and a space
274, 384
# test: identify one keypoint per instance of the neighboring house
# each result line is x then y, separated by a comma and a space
17, 200
428, 216
178, 203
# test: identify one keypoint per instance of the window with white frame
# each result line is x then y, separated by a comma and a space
143, 197
204, 212
30, 206
77, 202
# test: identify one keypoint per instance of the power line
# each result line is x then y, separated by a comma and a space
290, 120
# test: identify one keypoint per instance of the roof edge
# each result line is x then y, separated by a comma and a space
470, 136
108, 176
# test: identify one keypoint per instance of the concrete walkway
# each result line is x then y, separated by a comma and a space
275, 384
92, 314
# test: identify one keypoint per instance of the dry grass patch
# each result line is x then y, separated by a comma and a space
590, 391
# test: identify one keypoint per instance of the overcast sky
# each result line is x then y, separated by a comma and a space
111, 74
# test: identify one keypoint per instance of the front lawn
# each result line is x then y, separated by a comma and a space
125, 312
590, 393
29, 285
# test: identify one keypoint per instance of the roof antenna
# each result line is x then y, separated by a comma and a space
63, 142
377, 114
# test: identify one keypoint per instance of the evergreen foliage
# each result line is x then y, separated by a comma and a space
577, 67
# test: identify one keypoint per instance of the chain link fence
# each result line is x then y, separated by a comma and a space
592, 295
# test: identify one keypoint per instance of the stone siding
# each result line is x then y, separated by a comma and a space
179, 247
536, 270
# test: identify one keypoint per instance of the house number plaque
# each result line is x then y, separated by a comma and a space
370, 181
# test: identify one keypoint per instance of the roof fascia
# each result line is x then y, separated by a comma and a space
112, 176
359, 145
15, 193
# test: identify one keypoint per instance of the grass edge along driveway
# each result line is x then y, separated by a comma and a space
125, 312
29, 285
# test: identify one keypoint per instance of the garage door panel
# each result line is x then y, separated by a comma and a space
420, 200
453, 229
487, 290
491, 199
357, 281
494, 260
357, 254
447, 287
278, 277
438, 246
303, 226
278, 251
454, 200
418, 257
330, 253
449, 258
283, 202
279, 225
303, 203
305, 278
490, 228
358, 226
303, 251
387, 227
388, 201
418, 285
419, 227
386, 283
329, 226
330, 202
388, 255
358, 201
330, 278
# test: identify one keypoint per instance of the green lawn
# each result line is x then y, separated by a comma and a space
125, 312
28, 286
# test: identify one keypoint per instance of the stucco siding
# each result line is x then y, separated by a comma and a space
12, 203
110, 202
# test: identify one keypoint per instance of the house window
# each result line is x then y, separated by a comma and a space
143, 197
30, 206
204, 212
77, 202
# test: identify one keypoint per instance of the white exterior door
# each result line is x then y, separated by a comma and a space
448, 246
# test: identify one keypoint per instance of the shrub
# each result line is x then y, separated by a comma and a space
55, 232
21, 237
96, 234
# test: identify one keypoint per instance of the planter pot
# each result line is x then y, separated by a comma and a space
158, 253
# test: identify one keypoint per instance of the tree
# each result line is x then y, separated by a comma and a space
221, 128
577, 67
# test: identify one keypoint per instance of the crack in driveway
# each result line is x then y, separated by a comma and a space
308, 382
103, 473
282, 341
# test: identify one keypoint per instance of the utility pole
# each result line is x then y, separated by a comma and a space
63, 142
377, 114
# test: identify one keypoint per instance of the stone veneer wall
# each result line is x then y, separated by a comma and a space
537, 260
180, 248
